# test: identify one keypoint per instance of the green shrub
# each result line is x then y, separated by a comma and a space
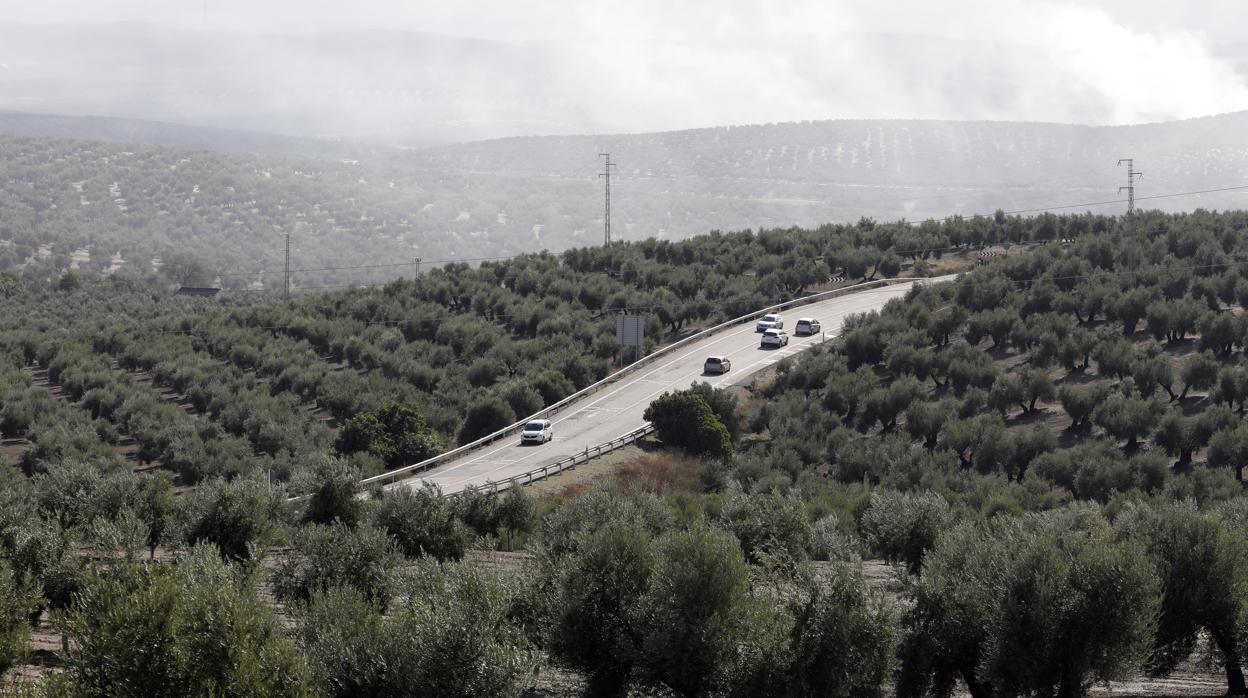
322, 557
197, 628
903, 527
683, 419
448, 635
422, 522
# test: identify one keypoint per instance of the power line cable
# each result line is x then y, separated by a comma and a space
945, 219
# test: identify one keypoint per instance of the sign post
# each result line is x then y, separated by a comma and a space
630, 331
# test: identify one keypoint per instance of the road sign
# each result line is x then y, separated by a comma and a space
630, 330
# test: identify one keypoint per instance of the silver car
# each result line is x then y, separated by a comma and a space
717, 364
770, 321
807, 325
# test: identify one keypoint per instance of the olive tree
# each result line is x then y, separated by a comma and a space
1199, 371
684, 419
20, 597
421, 522
1229, 449
197, 628
1127, 417
903, 527
596, 628
449, 635
239, 517
334, 496
843, 639
322, 557
1079, 403
695, 613
771, 527
1201, 565
1034, 605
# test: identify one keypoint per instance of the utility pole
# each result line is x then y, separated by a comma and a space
606, 174
417, 262
287, 286
1130, 188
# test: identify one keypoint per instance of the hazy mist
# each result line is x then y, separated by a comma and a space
422, 73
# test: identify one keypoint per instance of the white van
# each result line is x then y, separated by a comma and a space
538, 431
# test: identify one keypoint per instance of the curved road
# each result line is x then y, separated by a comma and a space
617, 409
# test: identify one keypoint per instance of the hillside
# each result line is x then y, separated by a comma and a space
229, 211
837, 170
1062, 421
253, 384
1053, 366
145, 132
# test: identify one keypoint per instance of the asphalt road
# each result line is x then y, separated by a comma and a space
617, 409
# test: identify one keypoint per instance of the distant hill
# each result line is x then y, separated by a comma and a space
382, 207
408, 87
811, 172
122, 130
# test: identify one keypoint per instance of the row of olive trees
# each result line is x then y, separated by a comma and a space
630, 591
163, 432
472, 349
909, 368
1044, 604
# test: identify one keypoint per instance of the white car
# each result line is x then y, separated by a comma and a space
775, 338
770, 321
538, 431
807, 325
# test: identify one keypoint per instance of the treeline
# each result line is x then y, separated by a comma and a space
1107, 365
692, 594
198, 217
1049, 524
471, 349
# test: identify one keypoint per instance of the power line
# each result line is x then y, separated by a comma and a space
595, 314
945, 219
416, 263
602, 312
1085, 204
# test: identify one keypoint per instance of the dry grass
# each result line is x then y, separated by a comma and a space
642, 465
660, 472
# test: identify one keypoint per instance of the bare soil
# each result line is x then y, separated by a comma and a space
11, 450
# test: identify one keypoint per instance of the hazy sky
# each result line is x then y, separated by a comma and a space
1214, 20
664, 64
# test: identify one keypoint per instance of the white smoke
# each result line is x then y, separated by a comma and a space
605, 65
648, 68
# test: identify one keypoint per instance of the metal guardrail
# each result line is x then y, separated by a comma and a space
428, 464
590, 453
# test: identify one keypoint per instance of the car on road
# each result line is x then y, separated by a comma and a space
717, 364
807, 325
775, 338
538, 431
770, 321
